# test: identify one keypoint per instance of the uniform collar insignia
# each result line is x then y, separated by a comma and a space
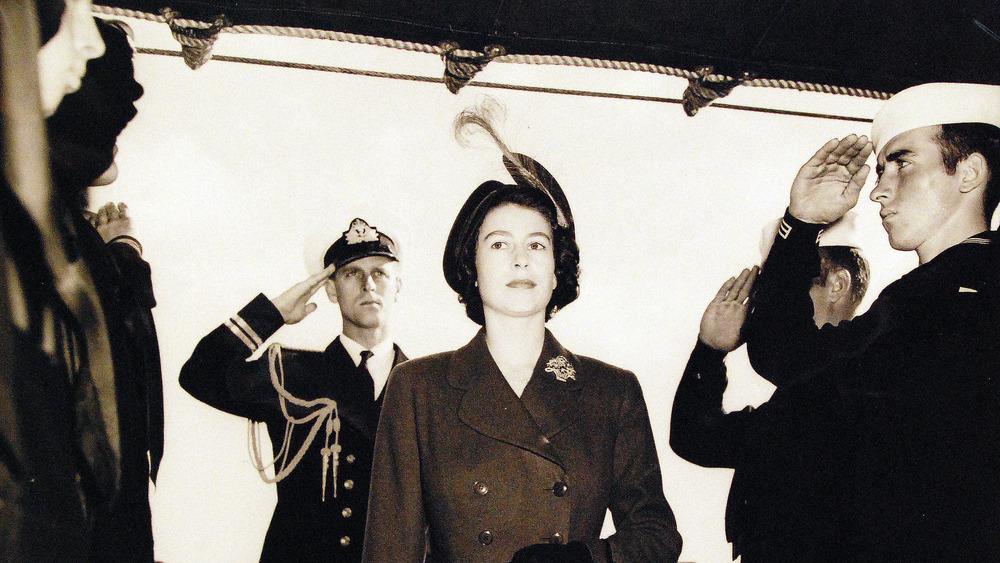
561, 368
360, 231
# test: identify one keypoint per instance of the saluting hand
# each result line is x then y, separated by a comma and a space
723, 319
111, 221
828, 184
294, 303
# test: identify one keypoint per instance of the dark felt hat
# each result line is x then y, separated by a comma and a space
49, 14
84, 128
527, 174
360, 240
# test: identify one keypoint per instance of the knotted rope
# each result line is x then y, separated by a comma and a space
196, 38
560, 60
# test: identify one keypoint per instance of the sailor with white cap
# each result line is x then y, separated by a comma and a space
321, 408
900, 432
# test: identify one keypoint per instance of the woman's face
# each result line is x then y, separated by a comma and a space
63, 60
514, 262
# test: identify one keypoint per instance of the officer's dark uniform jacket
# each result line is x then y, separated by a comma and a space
303, 527
489, 473
888, 422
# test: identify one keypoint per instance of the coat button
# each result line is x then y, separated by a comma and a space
486, 537
348, 484
345, 541
481, 488
556, 538
346, 512
559, 489
350, 458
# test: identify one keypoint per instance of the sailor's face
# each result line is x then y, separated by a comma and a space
914, 188
366, 291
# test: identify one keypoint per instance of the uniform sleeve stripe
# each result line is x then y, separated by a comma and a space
249, 331
784, 229
241, 335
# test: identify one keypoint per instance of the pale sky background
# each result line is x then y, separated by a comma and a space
227, 171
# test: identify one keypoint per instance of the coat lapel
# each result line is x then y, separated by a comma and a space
399, 358
344, 375
553, 395
489, 406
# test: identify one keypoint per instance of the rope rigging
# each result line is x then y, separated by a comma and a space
472, 61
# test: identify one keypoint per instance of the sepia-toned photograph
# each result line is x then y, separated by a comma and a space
511, 282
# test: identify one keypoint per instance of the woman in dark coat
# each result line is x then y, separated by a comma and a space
512, 448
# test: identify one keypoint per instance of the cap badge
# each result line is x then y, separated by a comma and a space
561, 368
360, 231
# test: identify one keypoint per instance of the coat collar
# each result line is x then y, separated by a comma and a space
337, 354
971, 264
489, 406
553, 395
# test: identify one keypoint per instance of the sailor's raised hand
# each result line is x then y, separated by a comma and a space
294, 303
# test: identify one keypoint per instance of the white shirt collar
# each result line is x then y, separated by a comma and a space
379, 365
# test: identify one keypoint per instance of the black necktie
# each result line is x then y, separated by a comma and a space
367, 383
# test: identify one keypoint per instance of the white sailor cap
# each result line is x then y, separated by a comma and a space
936, 103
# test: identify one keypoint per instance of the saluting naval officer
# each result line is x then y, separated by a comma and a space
900, 443
321, 408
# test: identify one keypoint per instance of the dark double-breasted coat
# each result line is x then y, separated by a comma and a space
894, 416
487, 472
304, 527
